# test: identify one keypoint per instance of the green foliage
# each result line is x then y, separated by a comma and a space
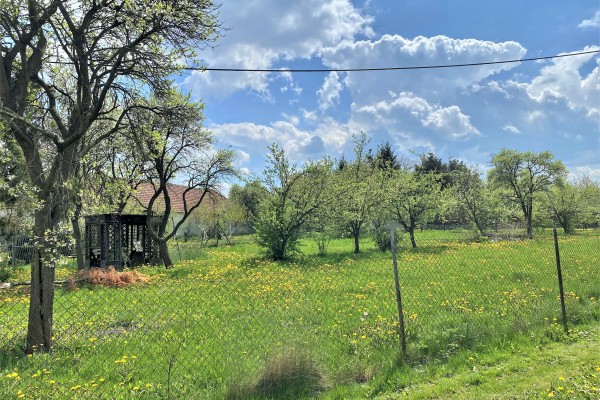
414, 199
430, 163
475, 200
382, 238
248, 198
358, 188
293, 197
4, 274
522, 176
573, 204
386, 158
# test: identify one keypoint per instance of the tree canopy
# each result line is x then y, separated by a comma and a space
522, 175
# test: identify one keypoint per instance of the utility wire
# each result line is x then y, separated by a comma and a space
390, 68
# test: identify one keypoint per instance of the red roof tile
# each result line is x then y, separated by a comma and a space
145, 191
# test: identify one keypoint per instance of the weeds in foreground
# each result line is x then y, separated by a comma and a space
290, 375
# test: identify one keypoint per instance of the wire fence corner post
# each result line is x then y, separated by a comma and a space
560, 281
398, 293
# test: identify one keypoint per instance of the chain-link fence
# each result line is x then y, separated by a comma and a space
226, 323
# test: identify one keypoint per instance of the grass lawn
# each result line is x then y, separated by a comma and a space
226, 323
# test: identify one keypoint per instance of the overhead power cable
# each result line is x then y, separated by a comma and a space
440, 66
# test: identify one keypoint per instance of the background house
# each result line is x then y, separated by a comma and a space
199, 223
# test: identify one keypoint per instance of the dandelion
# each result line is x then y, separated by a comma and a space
551, 394
73, 388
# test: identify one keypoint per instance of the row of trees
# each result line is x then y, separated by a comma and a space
376, 189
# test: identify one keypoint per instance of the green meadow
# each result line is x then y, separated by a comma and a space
225, 323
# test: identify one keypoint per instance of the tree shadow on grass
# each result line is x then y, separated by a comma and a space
427, 249
11, 353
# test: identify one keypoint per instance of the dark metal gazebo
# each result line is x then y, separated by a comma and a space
118, 241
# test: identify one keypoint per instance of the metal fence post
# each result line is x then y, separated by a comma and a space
560, 282
398, 293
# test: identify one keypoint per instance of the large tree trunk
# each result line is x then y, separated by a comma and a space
529, 219
163, 251
41, 300
565, 223
411, 232
355, 230
478, 225
78, 237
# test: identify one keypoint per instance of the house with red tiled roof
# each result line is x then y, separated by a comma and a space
180, 196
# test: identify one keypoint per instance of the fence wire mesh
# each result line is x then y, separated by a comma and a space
226, 323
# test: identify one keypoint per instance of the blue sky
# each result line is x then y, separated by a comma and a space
465, 113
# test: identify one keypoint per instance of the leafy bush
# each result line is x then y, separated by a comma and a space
381, 237
322, 240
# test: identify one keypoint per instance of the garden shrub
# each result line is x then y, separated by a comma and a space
381, 237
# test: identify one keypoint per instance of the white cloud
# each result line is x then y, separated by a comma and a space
450, 120
406, 106
264, 32
395, 50
562, 80
328, 137
242, 156
591, 23
534, 115
309, 116
244, 171
581, 171
511, 128
329, 93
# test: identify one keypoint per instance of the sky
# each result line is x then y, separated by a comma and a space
466, 113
